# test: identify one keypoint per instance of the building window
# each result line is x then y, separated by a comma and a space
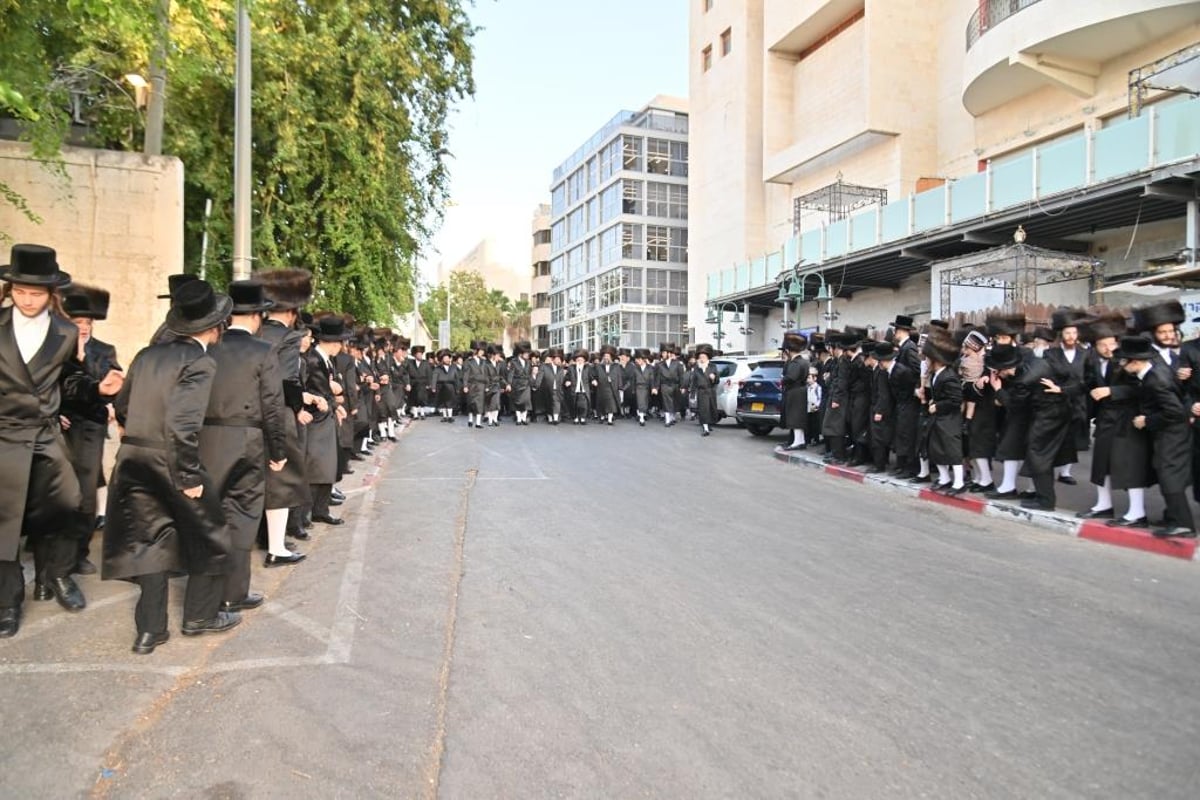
631, 197
664, 157
666, 200
706, 58
542, 236
609, 159
726, 41
632, 158
631, 241
708, 4
631, 292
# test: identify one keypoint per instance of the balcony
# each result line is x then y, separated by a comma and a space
1075, 172
1015, 47
793, 26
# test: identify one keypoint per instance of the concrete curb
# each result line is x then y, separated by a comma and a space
1091, 530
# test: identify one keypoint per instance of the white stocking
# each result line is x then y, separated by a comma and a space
1009, 483
958, 475
924, 471
1104, 496
1137, 505
943, 474
983, 471
797, 437
276, 531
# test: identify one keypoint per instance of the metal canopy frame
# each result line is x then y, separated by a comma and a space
1148, 78
837, 200
1018, 269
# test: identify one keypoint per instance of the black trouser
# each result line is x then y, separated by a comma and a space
237, 580
1043, 486
320, 498
581, 405
201, 600
53, 557
1196, 464
295, 521
85, 439
1177, 511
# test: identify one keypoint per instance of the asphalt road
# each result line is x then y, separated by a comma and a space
620, 612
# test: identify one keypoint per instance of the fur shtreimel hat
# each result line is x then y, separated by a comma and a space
1066, 317
940, 346
289, 289
86, 301
1149, 317
1103, 326
1005, 324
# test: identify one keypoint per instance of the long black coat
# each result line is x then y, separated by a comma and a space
1051, 440
1120, 451
903, 384
883, 405
33, 455
981, 428
702, 383
609, 379
795, 393
550, 385
837, 394
151, 525
859, 388
88, 429
945, 430
244, 426
1080, 427
475, 381
289, 487
668, 380
321, 444
1160, 400
519, 379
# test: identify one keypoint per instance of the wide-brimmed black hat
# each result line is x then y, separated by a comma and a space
1149, 317
902, 321
249, 297
195, 307
643, 353
175, 281
1135, 348
1002, 356
1005, 324
668, 347
90, 302
34, 265
331, 329
885, 351
1043, 333
418, 350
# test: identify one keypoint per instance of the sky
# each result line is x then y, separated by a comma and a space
548, 74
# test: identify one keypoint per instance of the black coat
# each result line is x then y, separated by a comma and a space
795, 393
702, 383
519, 379
1120, 451
30, 398
321, 444
1051, 441
859, 388
883, 405
945, 432
903, 384
151, 525
668, 380
609, 380
289, 487
1160, 399
475, 382
550, 385
981, 427
1080, 428
837, 394
244, 426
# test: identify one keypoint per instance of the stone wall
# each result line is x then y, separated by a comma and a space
116, 220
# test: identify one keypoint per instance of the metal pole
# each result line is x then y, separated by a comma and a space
152, 143
204, 239
241, 150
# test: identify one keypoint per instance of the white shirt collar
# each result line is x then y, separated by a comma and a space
203, 345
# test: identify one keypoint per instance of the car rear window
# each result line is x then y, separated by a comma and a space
725, 368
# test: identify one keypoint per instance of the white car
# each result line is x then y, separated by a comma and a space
732, 370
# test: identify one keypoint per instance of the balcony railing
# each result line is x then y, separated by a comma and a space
1160, 136
990, 14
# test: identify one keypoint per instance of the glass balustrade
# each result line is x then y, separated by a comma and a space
1122, 148
863, 227
968, 197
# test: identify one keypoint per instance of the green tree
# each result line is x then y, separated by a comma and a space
474, 313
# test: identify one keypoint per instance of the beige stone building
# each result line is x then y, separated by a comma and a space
539, 318
498, 270
884, 150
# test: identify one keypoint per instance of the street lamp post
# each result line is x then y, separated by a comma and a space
793, 290
241, 149
716, 316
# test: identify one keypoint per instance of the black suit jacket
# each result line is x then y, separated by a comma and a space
247, 389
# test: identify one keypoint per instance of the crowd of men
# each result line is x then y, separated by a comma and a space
236, 424
943, 406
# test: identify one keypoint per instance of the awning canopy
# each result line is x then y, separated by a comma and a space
1165, 282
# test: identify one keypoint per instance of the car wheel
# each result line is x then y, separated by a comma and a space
759, 428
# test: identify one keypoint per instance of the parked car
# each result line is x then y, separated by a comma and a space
732, 370
760, 398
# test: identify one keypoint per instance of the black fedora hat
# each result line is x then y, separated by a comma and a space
174, 282
195, 307
34, 265
903, 322
249, 297
90, 302
331, 329
885, 351
1135, 348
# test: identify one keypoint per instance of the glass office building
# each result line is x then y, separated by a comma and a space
619, 235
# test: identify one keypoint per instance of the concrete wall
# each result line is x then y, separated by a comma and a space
116, 221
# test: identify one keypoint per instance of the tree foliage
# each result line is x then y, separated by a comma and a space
474, 312
350, 106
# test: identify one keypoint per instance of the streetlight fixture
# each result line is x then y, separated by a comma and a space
716, 316
793, 290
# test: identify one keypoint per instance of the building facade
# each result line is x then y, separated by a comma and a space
539, 317
863, 146
500, 269
619, 233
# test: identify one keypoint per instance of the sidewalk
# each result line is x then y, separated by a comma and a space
1062, 520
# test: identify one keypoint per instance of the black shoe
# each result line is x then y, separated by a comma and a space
67, 593
42, 592
976, 488
391, 438
333, 501
921, 479
1027, 495
328, 520
347, 471
1106, 513
358, 457
1121, 522
872, 470
1067, 479
300, 535
10, 622
954, 491
1034, 504
100, 522
283, 561
1011, 494
84, 567
223, 621
610, 422
702, 433
252, 600
1174, 532
337, 494
793, 447
145, 643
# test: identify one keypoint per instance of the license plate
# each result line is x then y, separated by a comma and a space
757, 406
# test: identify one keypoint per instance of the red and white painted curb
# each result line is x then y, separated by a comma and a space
1092, 530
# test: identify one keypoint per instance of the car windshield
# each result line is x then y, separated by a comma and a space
768, 369
725, 368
